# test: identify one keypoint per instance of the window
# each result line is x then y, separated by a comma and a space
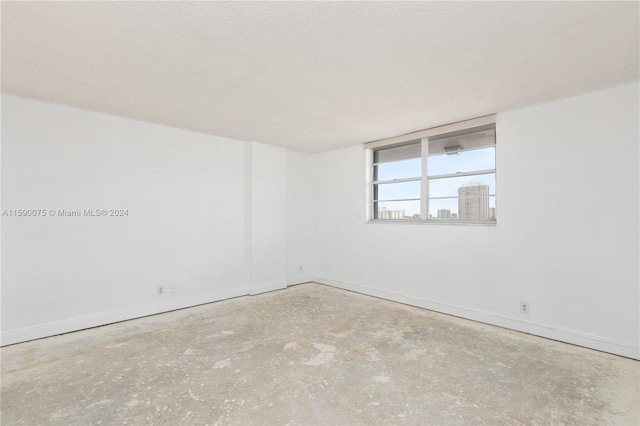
439, 177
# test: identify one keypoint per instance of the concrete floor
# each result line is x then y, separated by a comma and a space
312, 354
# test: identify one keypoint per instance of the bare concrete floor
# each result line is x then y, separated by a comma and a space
311, 354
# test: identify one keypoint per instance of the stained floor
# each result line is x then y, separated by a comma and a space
312, 354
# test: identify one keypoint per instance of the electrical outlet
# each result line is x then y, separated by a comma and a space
160, 290
524, 307
300, 268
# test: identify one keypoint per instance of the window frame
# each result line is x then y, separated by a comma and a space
425, 178
375, 183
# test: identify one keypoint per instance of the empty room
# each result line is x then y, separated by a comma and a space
320, 213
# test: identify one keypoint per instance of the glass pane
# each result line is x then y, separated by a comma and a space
398, 169
396, 191
397, 210
463, 186
474, 208
397, 153
465, 161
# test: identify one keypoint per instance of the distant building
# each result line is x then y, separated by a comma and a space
383, 213
444, 214
473, 202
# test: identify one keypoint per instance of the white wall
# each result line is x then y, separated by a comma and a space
567, 238
268, 217
206, 215
219, 218
301, 208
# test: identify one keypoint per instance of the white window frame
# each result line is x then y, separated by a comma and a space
425, 177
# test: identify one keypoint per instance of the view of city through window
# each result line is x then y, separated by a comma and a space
473, 203
460, 179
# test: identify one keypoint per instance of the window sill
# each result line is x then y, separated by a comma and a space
432, 222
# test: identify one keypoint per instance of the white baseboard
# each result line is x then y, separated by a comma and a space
300, 280
265, 287
564, 335
75, 324
569, 336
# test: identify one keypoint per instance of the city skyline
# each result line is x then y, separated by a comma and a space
474, 202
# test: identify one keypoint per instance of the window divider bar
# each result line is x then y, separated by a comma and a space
463, 174
391, 162
424, 181
396, 199
402, 180
464, 196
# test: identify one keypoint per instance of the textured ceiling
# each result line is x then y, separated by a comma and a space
313, 76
